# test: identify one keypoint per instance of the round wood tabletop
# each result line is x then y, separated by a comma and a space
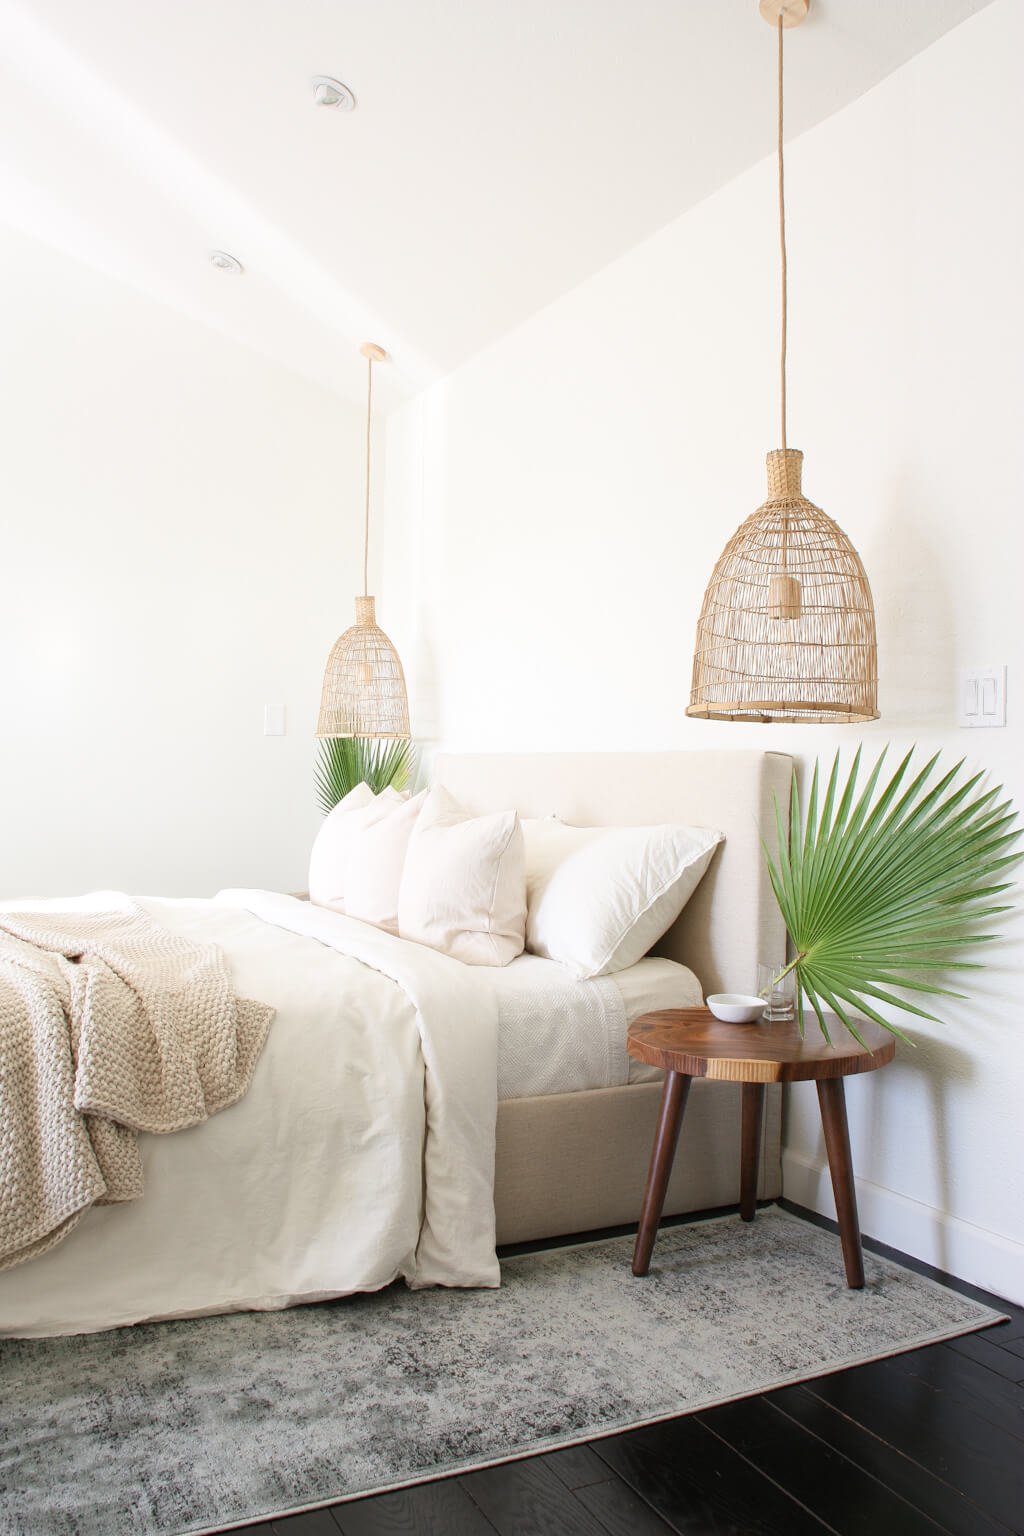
694, 1042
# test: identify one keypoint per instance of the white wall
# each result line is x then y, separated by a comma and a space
182, 527
557, 506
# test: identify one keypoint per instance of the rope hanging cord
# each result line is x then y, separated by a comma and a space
782, 239
366, 513
784, 552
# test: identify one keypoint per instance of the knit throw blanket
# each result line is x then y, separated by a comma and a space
109, 1025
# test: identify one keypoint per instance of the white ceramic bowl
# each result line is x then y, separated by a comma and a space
736, 1007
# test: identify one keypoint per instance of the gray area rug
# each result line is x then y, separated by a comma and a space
192, 1426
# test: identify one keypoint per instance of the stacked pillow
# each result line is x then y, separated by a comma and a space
481, 888
426, 870
598, 898
338, 837
376, 860
464, 886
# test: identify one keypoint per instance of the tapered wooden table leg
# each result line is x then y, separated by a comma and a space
832, 1101
750, 1147
670, 1120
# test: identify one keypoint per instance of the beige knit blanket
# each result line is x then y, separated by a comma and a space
109, 1025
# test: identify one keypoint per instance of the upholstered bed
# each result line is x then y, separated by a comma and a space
394, 1079
576, 1162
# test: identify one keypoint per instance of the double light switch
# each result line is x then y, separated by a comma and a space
983, 696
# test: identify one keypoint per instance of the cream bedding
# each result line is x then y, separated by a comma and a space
110, 1025
560, 1035
363, 1151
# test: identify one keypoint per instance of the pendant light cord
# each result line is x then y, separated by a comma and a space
366, 514
782, 241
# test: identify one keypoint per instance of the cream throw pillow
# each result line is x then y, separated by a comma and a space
463, 889
600, 897
329, 859
375, 863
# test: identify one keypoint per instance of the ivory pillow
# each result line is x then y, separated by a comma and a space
600, 897
328, 861
375, 863
463, 888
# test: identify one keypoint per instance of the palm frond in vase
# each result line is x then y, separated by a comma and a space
887, 890
345, 761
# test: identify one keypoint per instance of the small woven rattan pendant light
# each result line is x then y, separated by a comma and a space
787, 628
364, 685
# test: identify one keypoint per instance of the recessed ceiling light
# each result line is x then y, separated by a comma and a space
225, 263
328, 92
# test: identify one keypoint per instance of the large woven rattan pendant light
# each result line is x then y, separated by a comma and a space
364, 685
787, 628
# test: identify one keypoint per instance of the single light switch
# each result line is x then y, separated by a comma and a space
274, 720
983, 696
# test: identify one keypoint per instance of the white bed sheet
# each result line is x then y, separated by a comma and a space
560, 1035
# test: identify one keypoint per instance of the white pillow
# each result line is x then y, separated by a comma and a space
328, 861
375, 863
464, 889
599, 897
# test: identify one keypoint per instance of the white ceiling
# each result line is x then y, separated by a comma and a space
501, 152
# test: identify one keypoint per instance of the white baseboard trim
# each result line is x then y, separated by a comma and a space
972, 1253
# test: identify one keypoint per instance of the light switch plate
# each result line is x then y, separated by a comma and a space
982, 697
274, 720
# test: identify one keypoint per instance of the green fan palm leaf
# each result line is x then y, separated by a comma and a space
345, 761
879, 885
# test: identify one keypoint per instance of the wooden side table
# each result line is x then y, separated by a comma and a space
690, 1042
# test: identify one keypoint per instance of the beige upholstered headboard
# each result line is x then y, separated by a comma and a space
733, 920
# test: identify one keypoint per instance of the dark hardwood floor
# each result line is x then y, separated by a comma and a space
926, 1442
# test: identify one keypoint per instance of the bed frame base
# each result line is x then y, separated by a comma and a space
576, 1162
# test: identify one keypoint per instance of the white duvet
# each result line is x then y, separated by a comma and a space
362, 1153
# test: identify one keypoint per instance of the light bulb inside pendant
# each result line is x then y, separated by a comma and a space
784, 597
